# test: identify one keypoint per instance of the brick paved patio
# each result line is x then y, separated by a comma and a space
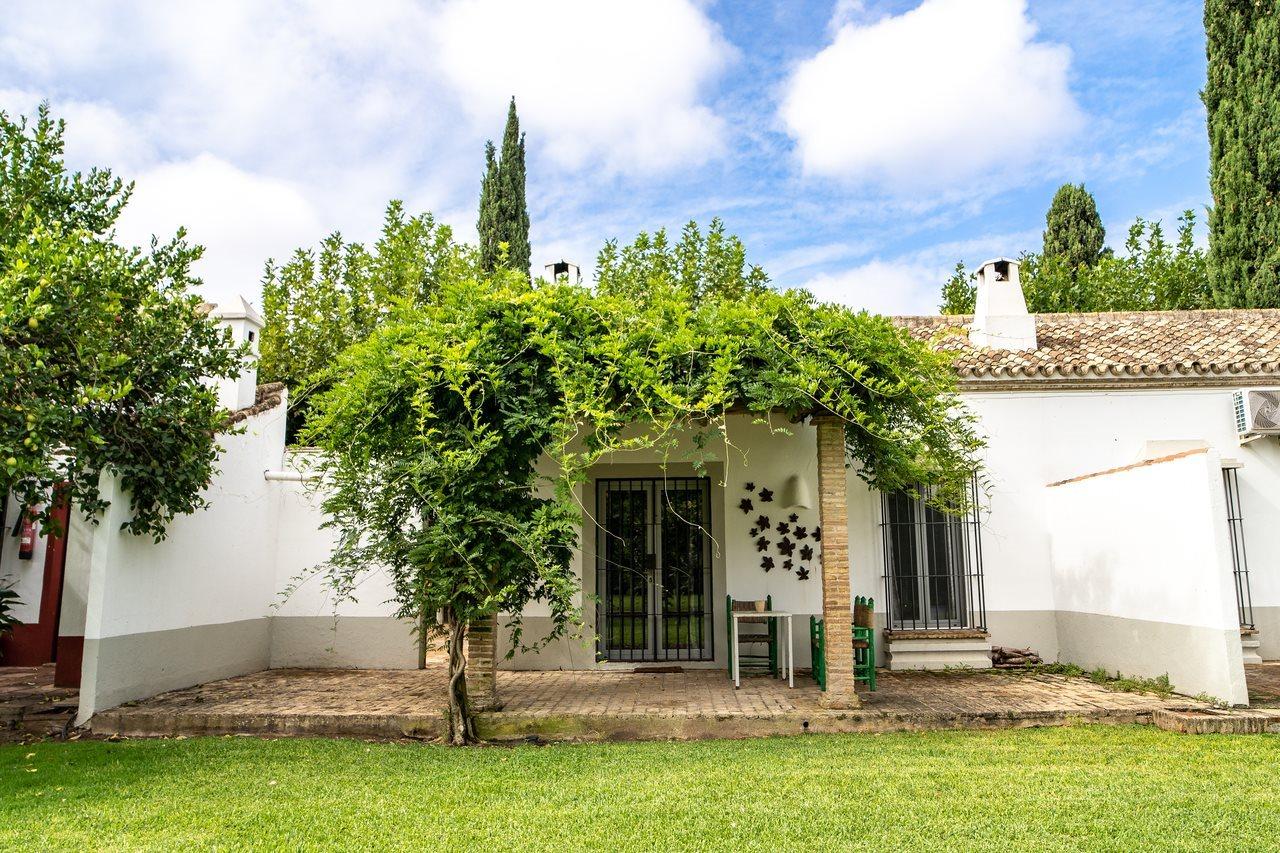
1264, 684
612, 705
30, 704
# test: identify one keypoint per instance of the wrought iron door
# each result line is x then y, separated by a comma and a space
653, 569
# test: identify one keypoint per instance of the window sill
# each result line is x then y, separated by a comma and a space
937, 634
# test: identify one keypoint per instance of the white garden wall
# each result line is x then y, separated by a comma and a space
195, 606
307, 629
27, 576
1141, 574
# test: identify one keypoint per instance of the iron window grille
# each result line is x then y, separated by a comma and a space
654, 598
1239, 561
933, 564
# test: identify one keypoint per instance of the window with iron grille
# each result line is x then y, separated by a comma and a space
1239, 562
933, 564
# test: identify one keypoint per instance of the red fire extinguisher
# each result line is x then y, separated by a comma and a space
27, 542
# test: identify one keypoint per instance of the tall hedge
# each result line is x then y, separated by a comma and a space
1242, 97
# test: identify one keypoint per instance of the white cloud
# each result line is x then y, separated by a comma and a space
615, 82
241, 218
253, 122
881, 287
938, 96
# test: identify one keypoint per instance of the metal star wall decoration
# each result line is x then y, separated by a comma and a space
806, 553
745, 505
784, 528
762, 522
766, 563
786, 547
801, 532
802, 574
751, 487
762, 544
766, 495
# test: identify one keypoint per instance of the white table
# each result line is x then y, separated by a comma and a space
786, 656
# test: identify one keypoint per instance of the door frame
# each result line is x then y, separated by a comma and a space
35, 644
714, 471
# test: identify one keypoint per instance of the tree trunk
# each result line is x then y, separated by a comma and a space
422, 638
461, 725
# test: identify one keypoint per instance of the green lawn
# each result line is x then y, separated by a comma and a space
1104, 788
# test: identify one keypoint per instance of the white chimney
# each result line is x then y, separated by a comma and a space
1000, 319
563, 270
246, 326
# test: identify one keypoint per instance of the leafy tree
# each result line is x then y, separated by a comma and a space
1242, 97
1073, 228
103, 349
320, 302
699, 266
433, 425
504, 213
1152, 275
960, 293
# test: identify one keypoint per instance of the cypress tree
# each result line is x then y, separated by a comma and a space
1242, 98
504, 212
487, 226
1073, 228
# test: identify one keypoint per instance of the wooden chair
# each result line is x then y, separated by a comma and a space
864, 641
758, 659
864, 644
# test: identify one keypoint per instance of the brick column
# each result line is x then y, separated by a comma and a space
482, 650
837, 606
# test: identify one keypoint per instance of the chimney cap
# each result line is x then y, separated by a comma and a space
568, 269
1001, 259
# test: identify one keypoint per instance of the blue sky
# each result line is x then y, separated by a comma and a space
858, 148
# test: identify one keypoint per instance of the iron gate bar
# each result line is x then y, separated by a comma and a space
937, 559
665, 615
1239, 560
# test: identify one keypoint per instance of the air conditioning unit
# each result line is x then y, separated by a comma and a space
1257, 412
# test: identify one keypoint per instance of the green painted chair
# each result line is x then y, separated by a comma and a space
864, 644
864, 641
760, 648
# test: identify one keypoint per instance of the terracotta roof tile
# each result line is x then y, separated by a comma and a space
1134, 345
266, 397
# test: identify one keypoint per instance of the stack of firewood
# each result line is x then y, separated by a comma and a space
1003, 656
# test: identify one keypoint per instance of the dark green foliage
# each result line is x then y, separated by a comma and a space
104, 350
487, 226
1153, 275
1073, 229
1242, 97
504, 212
9, 601
321, 302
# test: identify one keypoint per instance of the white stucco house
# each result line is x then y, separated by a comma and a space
1127, 519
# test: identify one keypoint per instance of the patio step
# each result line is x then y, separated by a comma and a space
1202, 721
1250, 646
938, 654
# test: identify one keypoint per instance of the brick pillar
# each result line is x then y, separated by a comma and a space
482, 651
837, 606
